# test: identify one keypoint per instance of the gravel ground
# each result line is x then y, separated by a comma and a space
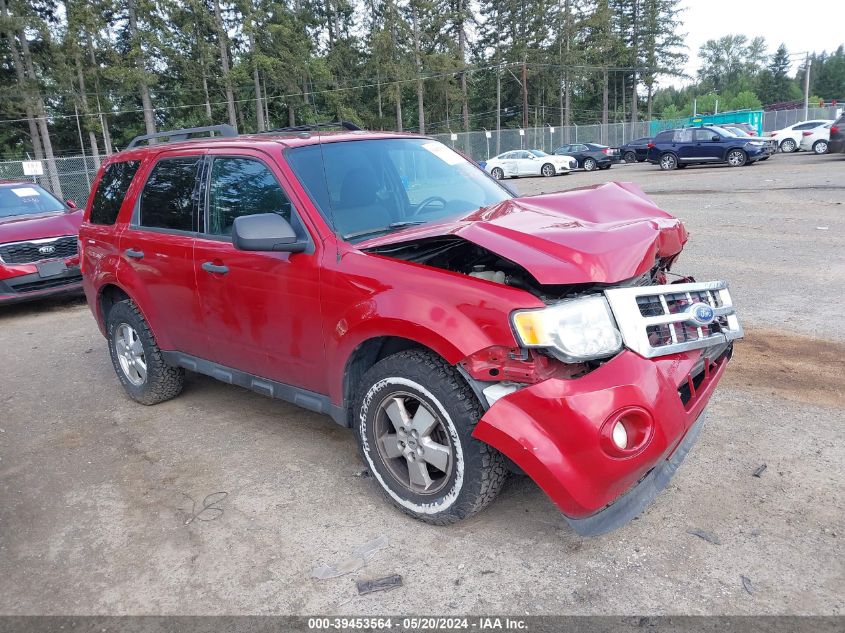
101, 499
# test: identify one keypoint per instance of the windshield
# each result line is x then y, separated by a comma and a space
723, 131
370, 187
538, 153
26, 199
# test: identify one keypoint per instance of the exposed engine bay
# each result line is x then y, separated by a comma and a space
458, 255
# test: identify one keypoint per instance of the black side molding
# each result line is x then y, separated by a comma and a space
301, 397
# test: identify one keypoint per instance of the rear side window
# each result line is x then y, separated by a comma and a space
665, 137
242, 186
169, 197
112, 190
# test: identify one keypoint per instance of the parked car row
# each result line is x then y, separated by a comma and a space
566, 158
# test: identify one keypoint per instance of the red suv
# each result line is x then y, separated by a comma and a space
38, 249
386, 281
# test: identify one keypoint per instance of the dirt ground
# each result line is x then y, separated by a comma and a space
223, 501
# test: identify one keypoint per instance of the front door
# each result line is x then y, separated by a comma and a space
157, 247
261, 311
704, 147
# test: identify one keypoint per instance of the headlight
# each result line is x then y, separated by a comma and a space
574, 331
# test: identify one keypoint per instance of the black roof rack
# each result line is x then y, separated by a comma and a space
309, 127
184, 134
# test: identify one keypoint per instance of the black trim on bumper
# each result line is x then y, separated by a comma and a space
33, 286
638, 498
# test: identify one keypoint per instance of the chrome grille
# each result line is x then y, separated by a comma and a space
659, 320
38, 250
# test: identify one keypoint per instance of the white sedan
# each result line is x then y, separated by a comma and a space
789, 138
816, 140
529, 162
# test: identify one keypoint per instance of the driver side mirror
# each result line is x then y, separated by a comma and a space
266, 232
716, 138
71, 204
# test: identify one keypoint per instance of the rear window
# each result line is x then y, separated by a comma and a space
112, 190
169, 197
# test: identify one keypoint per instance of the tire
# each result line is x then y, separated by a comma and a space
472, 472
497, 173
736, 158
630, 157
788, 146
158, 381
820, 147
589, 164
548, 170
668, 162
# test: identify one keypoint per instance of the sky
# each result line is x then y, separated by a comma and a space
778, 21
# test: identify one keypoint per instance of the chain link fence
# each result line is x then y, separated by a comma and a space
75, 174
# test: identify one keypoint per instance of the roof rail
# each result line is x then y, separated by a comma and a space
308, 127
184, 134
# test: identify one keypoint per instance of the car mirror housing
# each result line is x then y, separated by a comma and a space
71, 204
265, 232
716, 138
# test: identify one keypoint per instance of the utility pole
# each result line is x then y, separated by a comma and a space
498, 109
807, 88
524, 95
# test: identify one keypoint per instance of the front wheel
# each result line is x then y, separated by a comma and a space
736, 158
589, 164
547, 170
630, 157
820, 147
668, 162
414, 417
137, 359
497, 173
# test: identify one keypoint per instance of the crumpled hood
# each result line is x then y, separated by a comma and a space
601, 234
21, 228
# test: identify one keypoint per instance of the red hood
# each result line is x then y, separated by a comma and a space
601, 234
20, 228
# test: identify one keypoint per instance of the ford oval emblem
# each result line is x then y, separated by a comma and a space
701, 314
47, 250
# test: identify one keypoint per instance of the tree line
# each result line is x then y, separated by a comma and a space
95, 73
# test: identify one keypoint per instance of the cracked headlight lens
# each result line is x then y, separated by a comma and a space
574, 331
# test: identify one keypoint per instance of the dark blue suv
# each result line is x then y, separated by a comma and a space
701, 145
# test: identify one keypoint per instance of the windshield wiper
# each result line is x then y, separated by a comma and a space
393, 226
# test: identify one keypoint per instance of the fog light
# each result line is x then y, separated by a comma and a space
620, 435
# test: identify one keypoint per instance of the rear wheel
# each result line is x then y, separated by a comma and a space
136, 358
630, 157
736, 158
668, 162
414, 417
589, 164
497, 173
788, 146
820, 147
547, 170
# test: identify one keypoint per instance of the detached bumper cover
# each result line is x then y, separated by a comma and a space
638, 498
551, 430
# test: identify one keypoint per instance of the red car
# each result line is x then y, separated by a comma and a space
38, 243
388, 282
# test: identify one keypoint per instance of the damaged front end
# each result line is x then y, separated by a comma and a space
599, 397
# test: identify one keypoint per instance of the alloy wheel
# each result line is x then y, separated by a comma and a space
548, 170
820, 147
413, 443
788, 146
736, 158
130, 354
589, 164
497, 173
668, 161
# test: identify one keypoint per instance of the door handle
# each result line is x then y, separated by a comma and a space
131, 252
211, 267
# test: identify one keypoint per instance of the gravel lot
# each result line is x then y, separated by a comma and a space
101, 499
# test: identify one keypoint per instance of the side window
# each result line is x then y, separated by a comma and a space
703, 135
112, 189
684, 135
582, 148
806, 126
168, 199
242, 186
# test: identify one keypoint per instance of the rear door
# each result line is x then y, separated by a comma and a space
261, 311
157, 247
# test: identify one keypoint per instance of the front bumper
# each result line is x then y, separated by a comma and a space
551, 430
22, 282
